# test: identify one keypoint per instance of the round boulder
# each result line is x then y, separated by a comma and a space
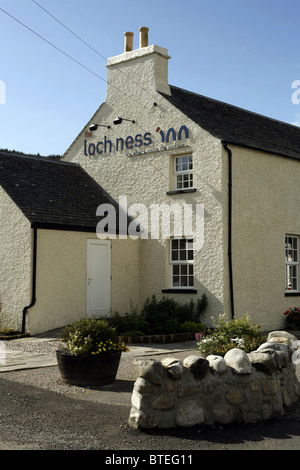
238, 360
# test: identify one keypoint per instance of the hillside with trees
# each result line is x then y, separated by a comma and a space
16, 152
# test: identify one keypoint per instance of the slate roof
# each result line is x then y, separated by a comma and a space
236, 125
53, 194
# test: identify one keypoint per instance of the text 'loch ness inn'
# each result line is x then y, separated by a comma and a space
139, 140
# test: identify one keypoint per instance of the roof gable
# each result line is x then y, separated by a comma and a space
53, 194
237, 126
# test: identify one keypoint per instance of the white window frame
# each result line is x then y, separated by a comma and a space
183, 170
184, 266
291, 263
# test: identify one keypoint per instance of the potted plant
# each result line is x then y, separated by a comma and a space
91, 353
293, 318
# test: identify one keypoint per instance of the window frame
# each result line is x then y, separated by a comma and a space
189, 171
187, 261
292, 263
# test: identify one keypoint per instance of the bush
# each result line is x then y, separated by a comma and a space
166, 315
162, 316
129, 323
238, 333
191, 327
84, 336
293, 318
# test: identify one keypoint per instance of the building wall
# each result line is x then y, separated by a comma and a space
265, 209
61, 293
15, 262
144, 173
145, 179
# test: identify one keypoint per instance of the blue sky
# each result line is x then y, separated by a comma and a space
243, 52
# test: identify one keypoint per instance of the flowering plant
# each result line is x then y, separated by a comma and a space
237, 333
106, 347
90, 336
293, 318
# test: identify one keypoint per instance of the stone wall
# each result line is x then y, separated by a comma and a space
239, 387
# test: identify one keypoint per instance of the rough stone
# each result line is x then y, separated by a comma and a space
279, 340
264, 361
174, 368
281, 336
238, 360
255, 385
163, 402
284, 348
189, 414
145, 387
234, 397
197, 365
217, 363
187, 390
222, 414
270, 387
136, 399
149, 369
138, 419
239, 387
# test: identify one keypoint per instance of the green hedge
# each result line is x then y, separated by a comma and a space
162, 316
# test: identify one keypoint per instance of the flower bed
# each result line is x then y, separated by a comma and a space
237, 333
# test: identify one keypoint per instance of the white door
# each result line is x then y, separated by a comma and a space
98, 277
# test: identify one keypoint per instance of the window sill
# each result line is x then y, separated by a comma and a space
179, 291
181, 191
292, 294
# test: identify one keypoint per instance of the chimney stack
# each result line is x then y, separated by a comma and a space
128, 47
147, 64
143, 36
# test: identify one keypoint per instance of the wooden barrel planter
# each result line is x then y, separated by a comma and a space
88, 370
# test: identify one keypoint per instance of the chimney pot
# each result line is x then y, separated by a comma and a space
128, 41
143, 36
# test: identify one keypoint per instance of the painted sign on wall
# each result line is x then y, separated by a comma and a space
130, 143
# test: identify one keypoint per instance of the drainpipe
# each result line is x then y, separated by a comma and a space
224, 143
33, 298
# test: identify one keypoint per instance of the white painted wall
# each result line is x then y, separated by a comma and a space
145, 178
15, 263
265, 209
62, 278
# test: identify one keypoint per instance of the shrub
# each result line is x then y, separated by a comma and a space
293, 318
166, 315
191, 327
128, 323
84, 336
162, 316
237, 333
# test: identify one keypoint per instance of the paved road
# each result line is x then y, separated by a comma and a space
32, 418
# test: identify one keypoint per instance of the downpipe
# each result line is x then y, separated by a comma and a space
33, 294
229, 153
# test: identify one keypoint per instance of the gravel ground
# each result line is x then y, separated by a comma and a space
49, 377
